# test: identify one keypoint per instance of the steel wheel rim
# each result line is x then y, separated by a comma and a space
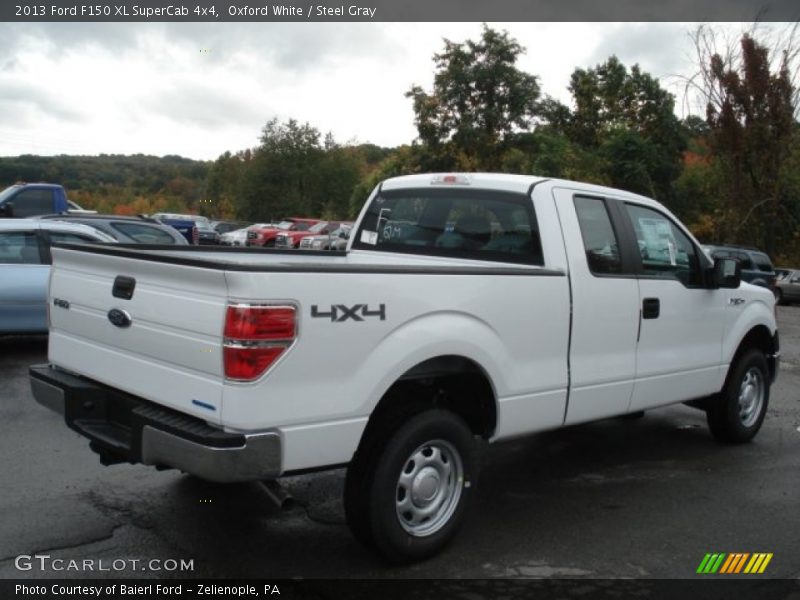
429, 488
751, 396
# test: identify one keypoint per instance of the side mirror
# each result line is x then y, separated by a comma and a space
726, 273
7, 210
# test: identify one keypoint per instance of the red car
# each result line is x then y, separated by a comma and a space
265, 236
291, 239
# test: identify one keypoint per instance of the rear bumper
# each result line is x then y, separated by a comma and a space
124, 428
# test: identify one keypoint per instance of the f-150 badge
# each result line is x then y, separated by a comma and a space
340, 312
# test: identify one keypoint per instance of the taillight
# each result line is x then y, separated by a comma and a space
246, 363
244, 322
255, 337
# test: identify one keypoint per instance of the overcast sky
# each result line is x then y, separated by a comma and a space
199, 89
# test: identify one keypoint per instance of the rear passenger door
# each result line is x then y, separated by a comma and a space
605, 308
681, 326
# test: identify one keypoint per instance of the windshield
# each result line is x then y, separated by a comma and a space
318, 227
8, 192
285, 225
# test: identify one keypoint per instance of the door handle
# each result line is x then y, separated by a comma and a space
651, 307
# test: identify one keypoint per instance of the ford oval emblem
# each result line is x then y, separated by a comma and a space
119, 318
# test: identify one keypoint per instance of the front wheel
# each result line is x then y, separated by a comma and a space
408, 493
736, 414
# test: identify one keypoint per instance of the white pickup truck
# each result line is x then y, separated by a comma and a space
466, 306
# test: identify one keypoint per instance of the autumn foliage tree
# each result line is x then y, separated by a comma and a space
750, 105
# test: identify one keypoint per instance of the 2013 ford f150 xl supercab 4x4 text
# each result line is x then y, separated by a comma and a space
467, 306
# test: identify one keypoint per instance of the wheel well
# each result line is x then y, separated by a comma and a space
759, 337
451, 382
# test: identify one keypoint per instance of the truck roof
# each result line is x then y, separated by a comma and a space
40, 184
498, 181
32, 224
503, 182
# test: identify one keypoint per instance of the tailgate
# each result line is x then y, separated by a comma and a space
164, 343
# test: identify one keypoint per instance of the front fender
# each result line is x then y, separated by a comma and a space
757, 312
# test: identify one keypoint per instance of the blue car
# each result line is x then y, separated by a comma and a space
25, 268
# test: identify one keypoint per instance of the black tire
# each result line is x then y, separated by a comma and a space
435, 452
633, 416
735, 415
779, 297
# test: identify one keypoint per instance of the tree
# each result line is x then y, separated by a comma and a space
751, 103
277, 182
479, 99
292, 173
628, 118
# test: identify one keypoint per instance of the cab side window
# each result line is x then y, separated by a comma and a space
666, 252
19, 248
599, 238
70, 238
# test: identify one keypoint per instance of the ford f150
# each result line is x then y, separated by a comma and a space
473, 306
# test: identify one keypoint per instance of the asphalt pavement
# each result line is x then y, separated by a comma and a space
645, 498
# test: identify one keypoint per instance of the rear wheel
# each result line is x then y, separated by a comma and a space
736, 414
406, 493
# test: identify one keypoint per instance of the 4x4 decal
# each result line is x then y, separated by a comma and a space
340, 312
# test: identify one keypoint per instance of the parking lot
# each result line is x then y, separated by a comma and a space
643, 498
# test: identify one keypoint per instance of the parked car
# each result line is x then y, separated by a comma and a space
335, 240
222, 227
25, 268
207, 234
265, 236
756, 266
128, 230
184, 224
787, 286
292, 239
23, 200
239, 236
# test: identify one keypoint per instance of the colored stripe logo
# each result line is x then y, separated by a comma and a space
735, 563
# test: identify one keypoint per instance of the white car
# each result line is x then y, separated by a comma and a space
238, 237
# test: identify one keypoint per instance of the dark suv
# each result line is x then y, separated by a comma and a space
756, 266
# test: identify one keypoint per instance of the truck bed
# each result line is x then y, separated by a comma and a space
172, 351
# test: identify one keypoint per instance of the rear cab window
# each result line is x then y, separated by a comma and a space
458, 223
